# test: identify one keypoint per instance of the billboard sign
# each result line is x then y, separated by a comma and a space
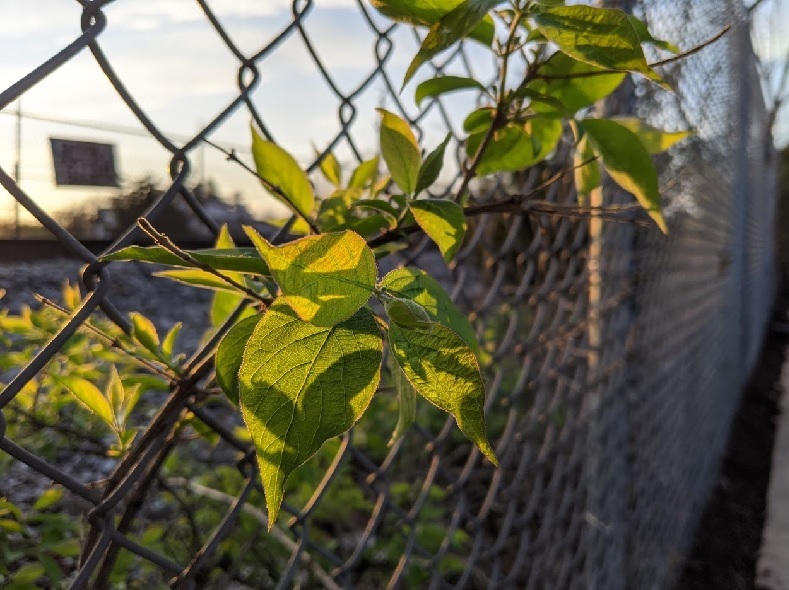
83, 163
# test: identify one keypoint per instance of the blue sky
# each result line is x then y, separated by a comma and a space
182, 75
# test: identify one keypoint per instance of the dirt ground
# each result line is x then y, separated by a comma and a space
727, 543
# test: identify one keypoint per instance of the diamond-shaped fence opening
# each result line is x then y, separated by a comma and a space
614, 356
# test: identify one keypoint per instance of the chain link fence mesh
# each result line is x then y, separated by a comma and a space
615, 361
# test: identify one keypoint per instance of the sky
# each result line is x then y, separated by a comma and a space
183, 75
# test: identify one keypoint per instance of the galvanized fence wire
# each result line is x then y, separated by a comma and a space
616, 359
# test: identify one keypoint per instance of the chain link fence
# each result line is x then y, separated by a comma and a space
616, 357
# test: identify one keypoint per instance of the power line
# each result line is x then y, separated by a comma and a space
113, 128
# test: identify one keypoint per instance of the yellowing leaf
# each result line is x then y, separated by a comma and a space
324, 278
90, 396
628, 163
587, 173
144, 332
301, 385
443, 221
444, 370
400, 151
331, 170
654, 139
279, 169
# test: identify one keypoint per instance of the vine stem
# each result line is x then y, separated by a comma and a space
271, 187
165, 242
500, 115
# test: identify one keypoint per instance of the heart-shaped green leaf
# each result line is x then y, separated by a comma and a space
301, 385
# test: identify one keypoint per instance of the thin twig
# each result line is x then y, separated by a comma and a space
113, 341
232, 157
518, 200
276, 532
165, 242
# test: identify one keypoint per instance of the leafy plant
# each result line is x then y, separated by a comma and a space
303, 362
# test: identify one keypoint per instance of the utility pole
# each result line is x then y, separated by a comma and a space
18, 164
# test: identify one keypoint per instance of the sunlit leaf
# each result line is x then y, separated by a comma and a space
246, 260
324, 278
364, 174
444, 370
654, 139
331, 169
303, 384
400, 151
90, 396
443, 221
602, 37
413, 283
510, 150
281, 170
628, 163
587, 170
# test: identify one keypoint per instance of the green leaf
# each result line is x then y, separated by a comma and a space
245, 260
545, 134
444, 370
406, 397
144, 332
331, 169
406, 313
428, 12
49, 498
654, 140
431, 167
601, 37
364, 174
194, 277
281, 170
567, 81
65, 548
222, 305
455, 25
645, 36
169, 340
400, 151
479, 120
443, 221
442, 85
628, 163
413, 283
510, 150
380, 206
26, 575
303, 384
324, 278
230, 354
90, 396
587, 176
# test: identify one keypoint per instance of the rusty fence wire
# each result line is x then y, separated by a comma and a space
615, 357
